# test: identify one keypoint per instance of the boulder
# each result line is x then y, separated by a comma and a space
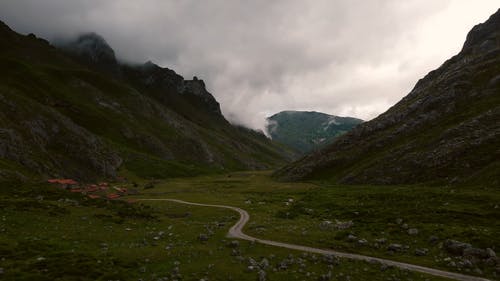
362, 242
203, 237
421, 252
341, 225
413, 231
351, 238
395, 247
433, 239
455, 247
261, 275
491, 253
264, 263
325, 277
475, 253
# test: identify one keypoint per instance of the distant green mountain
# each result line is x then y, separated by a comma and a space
308, 130
445, 131
75, 111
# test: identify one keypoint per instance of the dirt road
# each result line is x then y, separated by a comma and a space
236, 231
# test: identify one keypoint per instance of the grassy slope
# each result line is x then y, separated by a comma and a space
306, 131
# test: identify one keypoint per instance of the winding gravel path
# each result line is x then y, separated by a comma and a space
236, 231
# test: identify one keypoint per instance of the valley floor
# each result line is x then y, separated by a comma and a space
51, 234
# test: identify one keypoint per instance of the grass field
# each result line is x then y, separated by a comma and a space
51, 234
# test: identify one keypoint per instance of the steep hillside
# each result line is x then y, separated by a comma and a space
308, 130
87, 116
447, 129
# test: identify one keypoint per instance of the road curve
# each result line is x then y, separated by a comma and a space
236, 231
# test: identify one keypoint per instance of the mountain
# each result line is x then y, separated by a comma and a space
308, 130
76, 111
446, 130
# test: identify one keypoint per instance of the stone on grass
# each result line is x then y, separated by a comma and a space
324, 225
433, 239
203, 237
395, 247
384, 267
341, 225
264, 263
234, 244
491, 253
475, 253
262, 275
455, 247
330, 260
467, 263
492, 261
413, 231
351, 238
362, 242
325, 277
252, 262
421, 252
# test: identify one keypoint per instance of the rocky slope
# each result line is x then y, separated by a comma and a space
78, 112
447, 129
308, 130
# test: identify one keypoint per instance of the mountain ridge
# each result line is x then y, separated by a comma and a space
443, 131
307, 130
64, 115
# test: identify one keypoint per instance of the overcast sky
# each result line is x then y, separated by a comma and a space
342, 57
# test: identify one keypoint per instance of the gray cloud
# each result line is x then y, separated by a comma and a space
343, 57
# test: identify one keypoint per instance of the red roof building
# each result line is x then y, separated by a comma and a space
112, 196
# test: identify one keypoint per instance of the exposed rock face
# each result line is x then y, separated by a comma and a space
445, 130
197, 88
50, 136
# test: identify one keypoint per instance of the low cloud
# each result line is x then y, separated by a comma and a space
351, 57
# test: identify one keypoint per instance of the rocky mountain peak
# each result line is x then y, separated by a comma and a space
94, 47
485, 36
197, 88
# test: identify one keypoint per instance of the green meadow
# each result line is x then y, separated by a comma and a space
51, 234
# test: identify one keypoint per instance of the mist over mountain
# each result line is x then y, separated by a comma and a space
328, 55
